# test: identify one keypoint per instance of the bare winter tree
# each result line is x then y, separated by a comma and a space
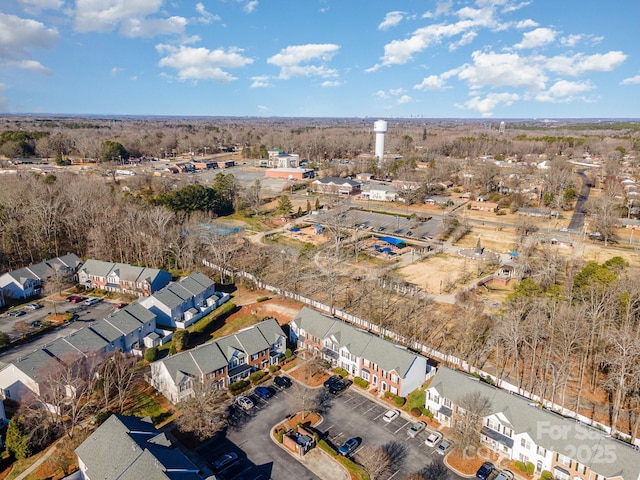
205, 412
118, 375
381, 461
470, 411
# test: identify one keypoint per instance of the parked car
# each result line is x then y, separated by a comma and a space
348, 447
391, 415
504, 475
92, 301
16, 313
339, 386
225, 461
444, 447
282, 381
433, 439
416, 428
244, 402
36, 324
264, 392
331, 380
485, 470
33, 306
118, 306
76, 299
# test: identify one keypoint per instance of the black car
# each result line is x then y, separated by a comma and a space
282, 381
331, 380
339, 386
485, 470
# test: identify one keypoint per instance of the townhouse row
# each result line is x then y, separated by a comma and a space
145, 323
220, 362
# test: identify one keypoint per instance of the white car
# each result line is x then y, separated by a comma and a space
504, 475
245, 403
92, 301
391, 415
433, 439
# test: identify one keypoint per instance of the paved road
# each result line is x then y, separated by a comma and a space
577, 221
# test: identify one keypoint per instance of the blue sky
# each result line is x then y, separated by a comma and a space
322, 58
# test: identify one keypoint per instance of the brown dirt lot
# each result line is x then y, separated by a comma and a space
283, 309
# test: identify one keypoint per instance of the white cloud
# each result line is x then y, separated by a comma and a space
19, 35
631, 81
564, 91
128, 15
116, 70
251, 6
536, 38
150, 27
404, 99
205, 17
262, 108
502, 70
466, 39
291, 60
486, 106
201, 63
432, 82
381, 94
580, 64
30, 65
396, 91
391, 19
261, 81
571, 40
528, 23
330, 83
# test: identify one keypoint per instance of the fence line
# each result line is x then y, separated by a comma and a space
416, 346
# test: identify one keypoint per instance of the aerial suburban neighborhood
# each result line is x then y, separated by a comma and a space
407, 314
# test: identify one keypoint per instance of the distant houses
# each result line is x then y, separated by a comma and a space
335, 186
122, 278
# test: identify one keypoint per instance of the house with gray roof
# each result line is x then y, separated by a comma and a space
182, 303
122, 278
27, 282
335, 186
221, 362
124, 330
126, 447
518, 429
386, 365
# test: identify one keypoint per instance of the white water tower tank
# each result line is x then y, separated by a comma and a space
380, 127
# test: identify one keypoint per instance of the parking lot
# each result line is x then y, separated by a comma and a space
346, 415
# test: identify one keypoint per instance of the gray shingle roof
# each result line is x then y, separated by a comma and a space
97, 268
524, 416
359, 342
128, 448
214, 355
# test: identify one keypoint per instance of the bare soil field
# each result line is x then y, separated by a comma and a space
437, 274
282, 309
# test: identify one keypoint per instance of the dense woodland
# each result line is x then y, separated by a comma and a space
570, 332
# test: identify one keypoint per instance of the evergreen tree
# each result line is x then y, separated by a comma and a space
17, 441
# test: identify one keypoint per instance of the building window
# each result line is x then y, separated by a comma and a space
394, 378
447, 403
525, 443
523, 458
541, 451
366, 363
563, 460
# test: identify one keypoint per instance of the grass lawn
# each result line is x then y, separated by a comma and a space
416, 399
234, 325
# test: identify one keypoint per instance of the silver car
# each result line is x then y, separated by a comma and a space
416, 428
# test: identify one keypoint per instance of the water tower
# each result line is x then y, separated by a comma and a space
380, 127
501, 127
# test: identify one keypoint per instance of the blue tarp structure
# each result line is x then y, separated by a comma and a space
295, 229
396, 242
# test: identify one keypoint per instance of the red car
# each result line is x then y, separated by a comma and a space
118, 306
75, 299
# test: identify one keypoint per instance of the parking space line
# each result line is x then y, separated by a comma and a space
407, 423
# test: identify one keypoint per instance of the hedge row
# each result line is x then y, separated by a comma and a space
361, 382
397, 400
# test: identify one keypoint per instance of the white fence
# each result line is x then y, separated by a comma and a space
418, 347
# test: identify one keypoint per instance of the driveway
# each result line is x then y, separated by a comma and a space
577, 220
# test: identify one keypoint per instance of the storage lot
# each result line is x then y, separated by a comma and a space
346, 415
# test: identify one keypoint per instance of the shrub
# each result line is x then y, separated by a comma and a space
288, 353
546, 475
426, 412
280, 436
341, 371
399, 401
151, 354
262, 299
416, 411
274, 368
528, 467
257, 376
361, 382
238, 386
